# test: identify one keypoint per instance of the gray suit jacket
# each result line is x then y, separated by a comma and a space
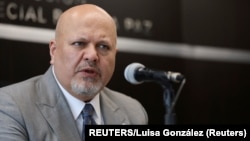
36, 110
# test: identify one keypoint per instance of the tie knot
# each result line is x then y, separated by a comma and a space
88, 110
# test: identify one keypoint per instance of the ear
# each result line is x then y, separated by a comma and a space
52, 50
116, 49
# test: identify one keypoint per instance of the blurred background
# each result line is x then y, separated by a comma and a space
205, 40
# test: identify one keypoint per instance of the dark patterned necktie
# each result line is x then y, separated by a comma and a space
87, 115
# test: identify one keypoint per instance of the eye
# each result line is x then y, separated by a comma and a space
103, 47
79, 44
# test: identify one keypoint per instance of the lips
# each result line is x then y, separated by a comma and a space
89, 72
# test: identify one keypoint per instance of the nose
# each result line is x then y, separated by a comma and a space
90, 53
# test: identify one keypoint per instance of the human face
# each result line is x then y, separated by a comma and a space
83, 53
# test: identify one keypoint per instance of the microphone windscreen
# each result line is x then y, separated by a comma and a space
130, 71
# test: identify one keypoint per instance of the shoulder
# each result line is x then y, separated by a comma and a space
22, 93
20, 87
29, 85
16, 87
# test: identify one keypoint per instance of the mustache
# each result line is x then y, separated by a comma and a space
88, 65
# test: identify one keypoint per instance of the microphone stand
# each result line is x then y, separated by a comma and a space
170, 99
168, 96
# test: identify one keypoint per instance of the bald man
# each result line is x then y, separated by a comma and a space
48, 107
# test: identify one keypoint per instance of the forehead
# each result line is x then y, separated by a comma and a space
83, 18
86, 11
90, 25
85, 23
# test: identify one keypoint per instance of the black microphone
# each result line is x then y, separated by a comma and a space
137, 73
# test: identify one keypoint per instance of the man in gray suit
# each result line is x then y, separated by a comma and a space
48, 107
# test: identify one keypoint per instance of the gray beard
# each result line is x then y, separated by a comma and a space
90, 88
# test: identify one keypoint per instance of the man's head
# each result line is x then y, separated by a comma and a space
84, 50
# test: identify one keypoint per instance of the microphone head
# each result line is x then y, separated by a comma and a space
130, 71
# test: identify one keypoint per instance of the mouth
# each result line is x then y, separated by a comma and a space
89, 72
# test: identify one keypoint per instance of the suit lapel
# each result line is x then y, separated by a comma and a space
61, 121
55, 109
111, 112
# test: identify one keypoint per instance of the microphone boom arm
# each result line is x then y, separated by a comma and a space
145, 74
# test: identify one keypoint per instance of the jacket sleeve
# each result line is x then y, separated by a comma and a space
11, 121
